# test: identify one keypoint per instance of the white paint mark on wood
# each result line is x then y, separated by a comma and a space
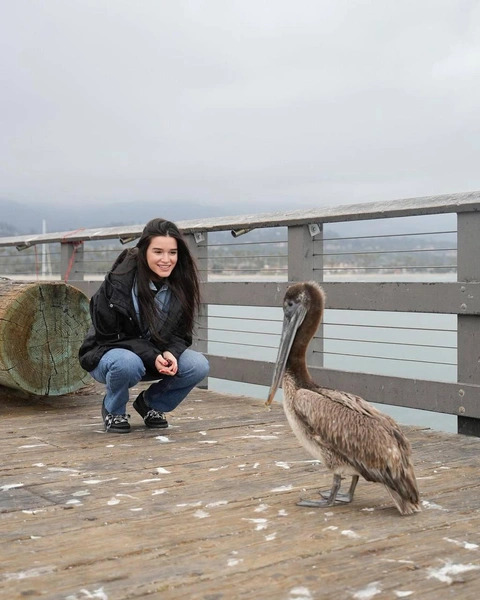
350, 534
370, 591
10, 486
261, 508
433, 506
153, 479
401, 594
81, 493
271, 537
136, 509
259, 523
34, 512
208, 442
300, 593
466, 545
282, 465
38, 465
32, 445
232, 562
157, 492
73, 501
163, 439
447, 573
259, 437
282, 488
97, 481
98, 594
162, 470
63, 469
218, 503
201, 514
113, 501
202, 433
35, 572
184, 504
403, 561
282, 513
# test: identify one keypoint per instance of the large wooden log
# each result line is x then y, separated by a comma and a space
41, 328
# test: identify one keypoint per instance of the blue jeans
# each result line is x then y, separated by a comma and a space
121, 369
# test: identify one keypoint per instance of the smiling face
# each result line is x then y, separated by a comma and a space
162, 255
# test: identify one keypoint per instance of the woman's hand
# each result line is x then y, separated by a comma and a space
166, 364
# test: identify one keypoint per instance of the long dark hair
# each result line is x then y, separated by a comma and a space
183, 280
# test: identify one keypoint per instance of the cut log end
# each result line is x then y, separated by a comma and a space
42, 326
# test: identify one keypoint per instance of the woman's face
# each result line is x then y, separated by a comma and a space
162, 255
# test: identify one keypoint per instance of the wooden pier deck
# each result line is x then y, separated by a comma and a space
206, 510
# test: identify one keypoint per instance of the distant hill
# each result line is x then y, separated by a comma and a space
25, 219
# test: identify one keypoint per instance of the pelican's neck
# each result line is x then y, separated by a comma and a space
296, 366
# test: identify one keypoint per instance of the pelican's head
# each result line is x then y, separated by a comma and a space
301, 299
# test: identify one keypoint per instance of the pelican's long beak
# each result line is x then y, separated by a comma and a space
292, 320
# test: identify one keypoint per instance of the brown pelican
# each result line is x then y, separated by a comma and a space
344, 431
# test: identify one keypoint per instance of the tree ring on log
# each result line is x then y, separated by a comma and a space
42, 326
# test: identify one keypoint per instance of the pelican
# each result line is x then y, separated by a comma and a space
344, 431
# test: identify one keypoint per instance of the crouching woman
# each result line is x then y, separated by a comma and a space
142, 322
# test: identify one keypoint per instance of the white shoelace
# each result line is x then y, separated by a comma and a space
154, 414
115, 420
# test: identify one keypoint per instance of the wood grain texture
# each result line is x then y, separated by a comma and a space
205, 510
41, 328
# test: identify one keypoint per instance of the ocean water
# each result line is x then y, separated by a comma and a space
412, 345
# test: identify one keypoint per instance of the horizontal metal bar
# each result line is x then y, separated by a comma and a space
383, 252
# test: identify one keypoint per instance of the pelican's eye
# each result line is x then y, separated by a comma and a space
289, 307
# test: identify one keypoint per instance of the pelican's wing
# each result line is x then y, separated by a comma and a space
357, 432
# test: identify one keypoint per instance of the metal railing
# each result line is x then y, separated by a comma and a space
402, 279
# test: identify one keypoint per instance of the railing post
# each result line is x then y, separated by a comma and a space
71, 261
198, 245
468, 270
301, 268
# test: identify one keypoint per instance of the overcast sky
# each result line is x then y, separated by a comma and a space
313, 101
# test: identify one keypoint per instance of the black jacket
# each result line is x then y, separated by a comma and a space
115, 323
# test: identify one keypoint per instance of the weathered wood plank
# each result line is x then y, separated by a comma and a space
427, 205
206, 510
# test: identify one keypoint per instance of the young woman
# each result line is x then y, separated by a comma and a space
142, 321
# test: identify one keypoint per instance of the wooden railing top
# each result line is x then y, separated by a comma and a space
445, 203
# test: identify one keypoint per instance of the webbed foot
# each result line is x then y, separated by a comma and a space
313, 503
340, 498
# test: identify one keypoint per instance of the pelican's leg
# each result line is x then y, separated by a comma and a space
329, 499
342, 498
